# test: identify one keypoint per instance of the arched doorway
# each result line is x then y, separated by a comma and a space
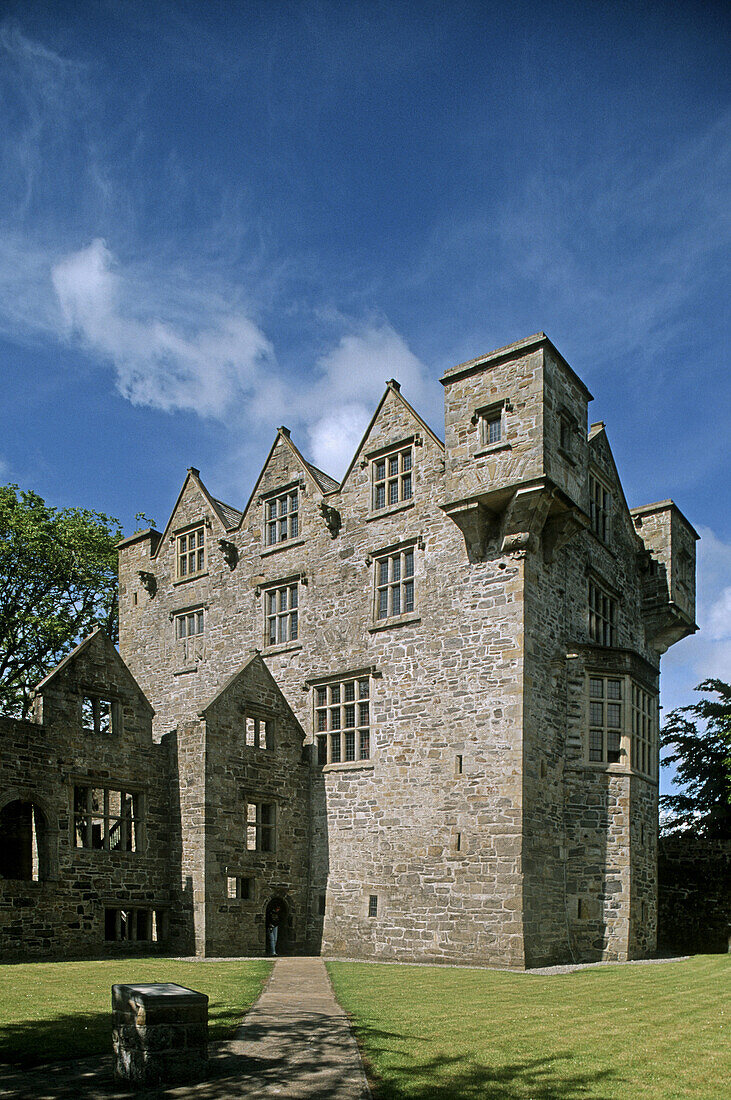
23, 842
277, 915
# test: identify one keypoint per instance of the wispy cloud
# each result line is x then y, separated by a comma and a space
217, 362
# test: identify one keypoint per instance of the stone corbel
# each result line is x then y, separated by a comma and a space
148, 582
230, 553
475, 522
333, 519
560, 529
524, 519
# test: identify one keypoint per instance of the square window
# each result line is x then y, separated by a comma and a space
338, 738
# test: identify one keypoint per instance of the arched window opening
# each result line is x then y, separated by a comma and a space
23, 842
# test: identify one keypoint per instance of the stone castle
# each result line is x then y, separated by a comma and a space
418, 707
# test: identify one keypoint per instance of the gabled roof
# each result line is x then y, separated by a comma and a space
254, 660
98, 636
224, 513
322, 481
392, 386
598, 432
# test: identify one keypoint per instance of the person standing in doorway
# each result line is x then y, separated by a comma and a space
274, 915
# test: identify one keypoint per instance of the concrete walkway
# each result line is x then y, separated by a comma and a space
294, 1043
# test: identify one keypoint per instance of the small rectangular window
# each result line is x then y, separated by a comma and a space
99, 715
260, 827
238, 888
600, 505
395, 584
321, 905
491, 429
282, 517
189, 624
602, 616
392, 479
282, 614
258, 732
373, 905
134, 925
458, 764
191, 553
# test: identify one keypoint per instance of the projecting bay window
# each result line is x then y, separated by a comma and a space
281, 614
395, 584
107, 819
282, 517
191, 553
602, 616
392, 478
261, 827
622, 724
601, 507
342, 721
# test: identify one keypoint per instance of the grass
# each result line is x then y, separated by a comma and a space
54, 1011
615, 1033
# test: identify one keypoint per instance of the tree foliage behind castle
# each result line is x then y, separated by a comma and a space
701, 748
58, 581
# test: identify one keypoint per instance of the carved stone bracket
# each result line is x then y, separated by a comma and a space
333, 519
560, 529
524, 519
230, 553
148, 582
476, 523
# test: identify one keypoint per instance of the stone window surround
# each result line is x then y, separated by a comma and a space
259, 728
202, 523
607, 616
116, 713
485, 414
373, 673
260, 836
138, 792
300, 580
297, 485
568, 426
600, 516
156, 921
372, 559
234, 881
628, 736
389, 450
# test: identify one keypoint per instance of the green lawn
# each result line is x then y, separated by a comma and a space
52, 1011
615, 1033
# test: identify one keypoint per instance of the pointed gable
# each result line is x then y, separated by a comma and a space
285, 467
603, 466
395, 421
196, 504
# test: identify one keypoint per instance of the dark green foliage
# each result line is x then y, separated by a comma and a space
700, 747
58, 581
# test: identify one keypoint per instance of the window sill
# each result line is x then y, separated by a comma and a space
348, 766
192, 577
184, 671
493, 449
282, 647
288, 544
396, 620
391, 510
612, 769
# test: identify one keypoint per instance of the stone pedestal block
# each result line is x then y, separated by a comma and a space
159, 1033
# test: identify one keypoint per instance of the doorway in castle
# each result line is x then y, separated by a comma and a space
277, 916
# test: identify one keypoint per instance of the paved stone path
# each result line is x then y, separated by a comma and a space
295, 1044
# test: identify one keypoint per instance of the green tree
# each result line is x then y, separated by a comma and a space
58, 582
700, 747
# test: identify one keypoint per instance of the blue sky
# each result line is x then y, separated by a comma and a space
216, 218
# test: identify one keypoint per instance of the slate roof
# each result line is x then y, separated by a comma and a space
230, 517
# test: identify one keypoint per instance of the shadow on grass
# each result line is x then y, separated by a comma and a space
82, 1035
460, 1078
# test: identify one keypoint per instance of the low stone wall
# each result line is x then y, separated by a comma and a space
694, 877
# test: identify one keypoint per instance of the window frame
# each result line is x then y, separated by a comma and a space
254, 736
333, 730
290, 516
198, 615
602, 609
401, 479
257, 828
398, 590
131, 827
636, 729
98, 729
486, 415
289, 614
197, 532
600, 511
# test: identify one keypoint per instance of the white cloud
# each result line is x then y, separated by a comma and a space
352, 378
203, 367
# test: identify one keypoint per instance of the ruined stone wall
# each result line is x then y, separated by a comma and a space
694, 894
237, 775
64, 911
